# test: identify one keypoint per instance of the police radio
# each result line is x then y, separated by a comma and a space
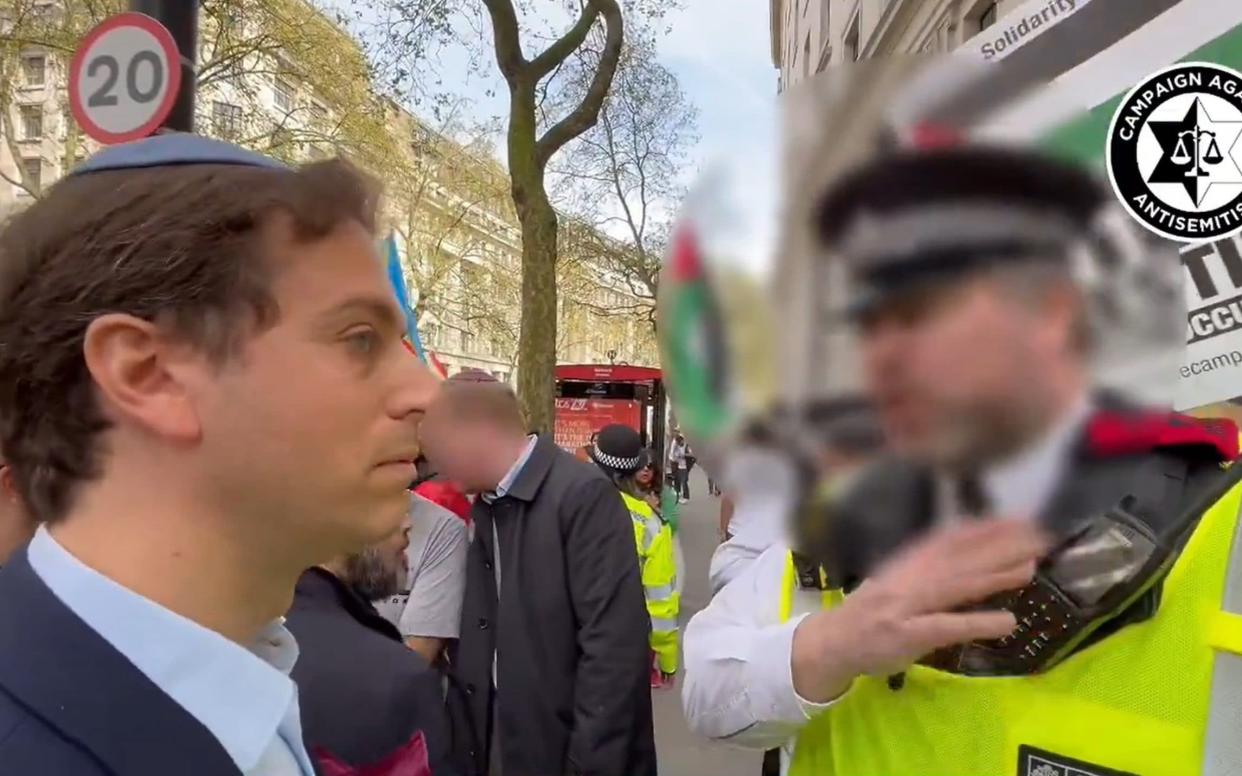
1102, 573
1106, 564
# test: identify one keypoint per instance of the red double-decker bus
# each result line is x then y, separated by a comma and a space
591, 396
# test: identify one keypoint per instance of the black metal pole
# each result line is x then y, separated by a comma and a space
181, 19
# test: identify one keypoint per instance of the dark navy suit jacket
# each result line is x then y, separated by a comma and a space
71, 705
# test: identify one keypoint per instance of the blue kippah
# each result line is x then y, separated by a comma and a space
173, 149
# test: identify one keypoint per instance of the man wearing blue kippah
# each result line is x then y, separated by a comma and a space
203, 392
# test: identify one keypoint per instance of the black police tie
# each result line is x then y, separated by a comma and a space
972, 499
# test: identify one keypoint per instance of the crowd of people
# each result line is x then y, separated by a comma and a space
244, 531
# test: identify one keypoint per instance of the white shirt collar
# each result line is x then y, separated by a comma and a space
242, 696
1021, 485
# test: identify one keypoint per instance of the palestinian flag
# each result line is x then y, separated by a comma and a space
693, 344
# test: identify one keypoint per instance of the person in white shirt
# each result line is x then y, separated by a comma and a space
204, 391
847, 436
427, 610
677, 452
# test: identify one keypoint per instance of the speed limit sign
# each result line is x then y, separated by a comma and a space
124, 78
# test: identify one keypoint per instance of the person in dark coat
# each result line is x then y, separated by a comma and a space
553, 659
365, 696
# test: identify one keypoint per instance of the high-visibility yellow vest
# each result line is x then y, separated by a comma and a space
1136, 702
658, 562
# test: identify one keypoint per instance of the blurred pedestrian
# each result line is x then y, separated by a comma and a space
553, 654
438, 489
618, 452
677, 452
426, 609
365, 697
657, 491
204, 391
843, 434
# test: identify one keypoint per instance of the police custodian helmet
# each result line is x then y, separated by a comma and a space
914, 217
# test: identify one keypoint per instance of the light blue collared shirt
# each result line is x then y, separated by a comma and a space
245, 698
506, 482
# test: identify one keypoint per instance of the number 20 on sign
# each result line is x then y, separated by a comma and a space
124, 78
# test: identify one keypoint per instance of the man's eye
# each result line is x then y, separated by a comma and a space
364, 342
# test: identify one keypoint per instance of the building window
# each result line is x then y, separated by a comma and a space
432, 334
467, 342
825, 35
284, 92
32, 122
226, 119
34, 70
987, 16
34, 173
851, 41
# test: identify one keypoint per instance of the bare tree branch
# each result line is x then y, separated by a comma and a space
556, 54
586, 114
507, 39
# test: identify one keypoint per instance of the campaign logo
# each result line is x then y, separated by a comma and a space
1174, 156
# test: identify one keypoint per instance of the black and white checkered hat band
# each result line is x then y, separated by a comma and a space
616, 462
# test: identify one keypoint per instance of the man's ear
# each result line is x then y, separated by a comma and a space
140, 375
1066, 306
8, 488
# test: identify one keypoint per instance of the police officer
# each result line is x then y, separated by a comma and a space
975, 341
618, 451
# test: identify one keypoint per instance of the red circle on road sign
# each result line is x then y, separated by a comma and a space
171, 54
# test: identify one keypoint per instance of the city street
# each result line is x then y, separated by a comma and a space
681, 752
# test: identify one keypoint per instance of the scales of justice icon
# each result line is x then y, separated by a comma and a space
1209, 155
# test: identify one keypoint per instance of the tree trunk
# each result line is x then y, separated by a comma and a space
537, 330
528, 157
537, 338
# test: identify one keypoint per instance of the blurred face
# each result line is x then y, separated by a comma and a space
310, 433
461, 448
645, 476
382, 569
958, 371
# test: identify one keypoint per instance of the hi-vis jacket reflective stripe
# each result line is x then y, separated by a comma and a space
658, 563
1136, 702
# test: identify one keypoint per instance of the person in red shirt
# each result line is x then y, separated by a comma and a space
438, 490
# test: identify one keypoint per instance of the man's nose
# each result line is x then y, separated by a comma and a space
417, 387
